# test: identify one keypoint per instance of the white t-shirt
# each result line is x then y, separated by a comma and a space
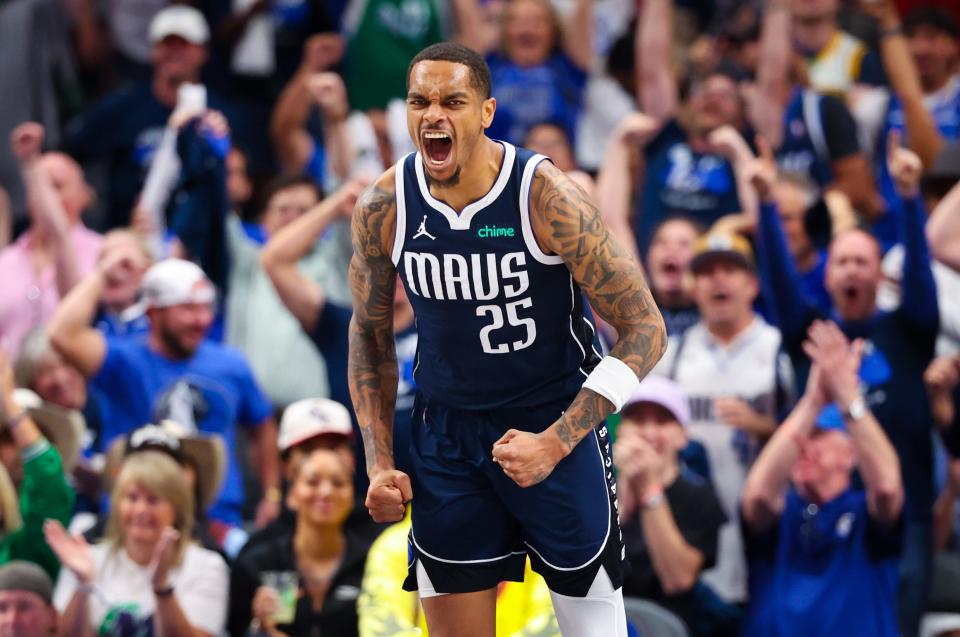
753, 368
201, 584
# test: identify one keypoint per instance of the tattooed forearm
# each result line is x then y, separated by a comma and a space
372, 367
567, 223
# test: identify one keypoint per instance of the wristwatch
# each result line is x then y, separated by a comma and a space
652, 499
856, 410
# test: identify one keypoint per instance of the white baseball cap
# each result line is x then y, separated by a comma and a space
179, 20
312, 417
175, 282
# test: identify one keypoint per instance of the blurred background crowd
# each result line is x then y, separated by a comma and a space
179, 452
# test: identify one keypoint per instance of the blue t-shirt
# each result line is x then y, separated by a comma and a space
550, 92
680, 181
135, 322
213, 391
823, 571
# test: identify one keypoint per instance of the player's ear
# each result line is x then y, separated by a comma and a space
487, 110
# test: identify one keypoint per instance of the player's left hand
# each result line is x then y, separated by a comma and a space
528, 458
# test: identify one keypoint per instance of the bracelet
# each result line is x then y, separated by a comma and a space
86, 589
164, 592
891, 32
613, 380
12, 423
272, 494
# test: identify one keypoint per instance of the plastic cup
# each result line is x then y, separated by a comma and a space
286, 583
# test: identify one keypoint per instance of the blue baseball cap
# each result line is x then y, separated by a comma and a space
830, 419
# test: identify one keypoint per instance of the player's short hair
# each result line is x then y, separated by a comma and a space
458, 54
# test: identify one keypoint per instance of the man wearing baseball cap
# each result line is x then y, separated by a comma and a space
737, 380
173, 372
124, 129
824, 553
26, 601
671, 517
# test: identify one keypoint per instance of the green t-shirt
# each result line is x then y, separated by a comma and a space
386, 34
44, 494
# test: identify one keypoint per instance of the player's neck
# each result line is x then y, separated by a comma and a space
477, 176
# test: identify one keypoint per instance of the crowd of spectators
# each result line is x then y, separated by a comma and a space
178, 450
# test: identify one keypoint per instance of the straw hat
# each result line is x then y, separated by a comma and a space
63, 428
206, 453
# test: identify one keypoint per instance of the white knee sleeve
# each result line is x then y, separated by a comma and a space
599, 614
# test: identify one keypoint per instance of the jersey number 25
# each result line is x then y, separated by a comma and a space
496, 313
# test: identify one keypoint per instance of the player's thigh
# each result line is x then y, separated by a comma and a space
462, 614
464, 535
569, 521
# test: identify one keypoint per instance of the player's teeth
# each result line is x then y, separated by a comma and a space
435, 135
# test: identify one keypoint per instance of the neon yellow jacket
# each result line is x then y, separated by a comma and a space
524, 608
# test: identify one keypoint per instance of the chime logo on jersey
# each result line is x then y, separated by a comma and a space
487, 232
474, 277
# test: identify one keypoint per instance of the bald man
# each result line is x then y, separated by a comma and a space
57, 250
898, 346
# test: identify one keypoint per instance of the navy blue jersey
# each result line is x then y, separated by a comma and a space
804, 147
681, 182
499, 323
817, 130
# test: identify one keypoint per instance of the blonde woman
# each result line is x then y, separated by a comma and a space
147, 577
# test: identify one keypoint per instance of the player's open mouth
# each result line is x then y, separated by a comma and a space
437, 146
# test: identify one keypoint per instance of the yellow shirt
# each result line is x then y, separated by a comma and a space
835, 69
524, 608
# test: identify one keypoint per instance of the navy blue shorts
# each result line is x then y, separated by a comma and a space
473, 527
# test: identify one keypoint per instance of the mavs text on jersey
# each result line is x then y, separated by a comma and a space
500, 323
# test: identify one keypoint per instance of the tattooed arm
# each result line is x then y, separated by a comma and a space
567, 223
372, 369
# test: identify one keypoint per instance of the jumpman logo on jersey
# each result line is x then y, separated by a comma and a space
422, 230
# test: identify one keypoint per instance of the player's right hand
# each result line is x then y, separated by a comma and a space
387, 495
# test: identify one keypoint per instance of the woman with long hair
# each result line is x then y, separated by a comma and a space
305, 582
147, 576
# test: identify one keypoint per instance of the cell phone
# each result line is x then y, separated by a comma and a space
192, 98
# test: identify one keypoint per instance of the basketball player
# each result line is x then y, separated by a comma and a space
506, 451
